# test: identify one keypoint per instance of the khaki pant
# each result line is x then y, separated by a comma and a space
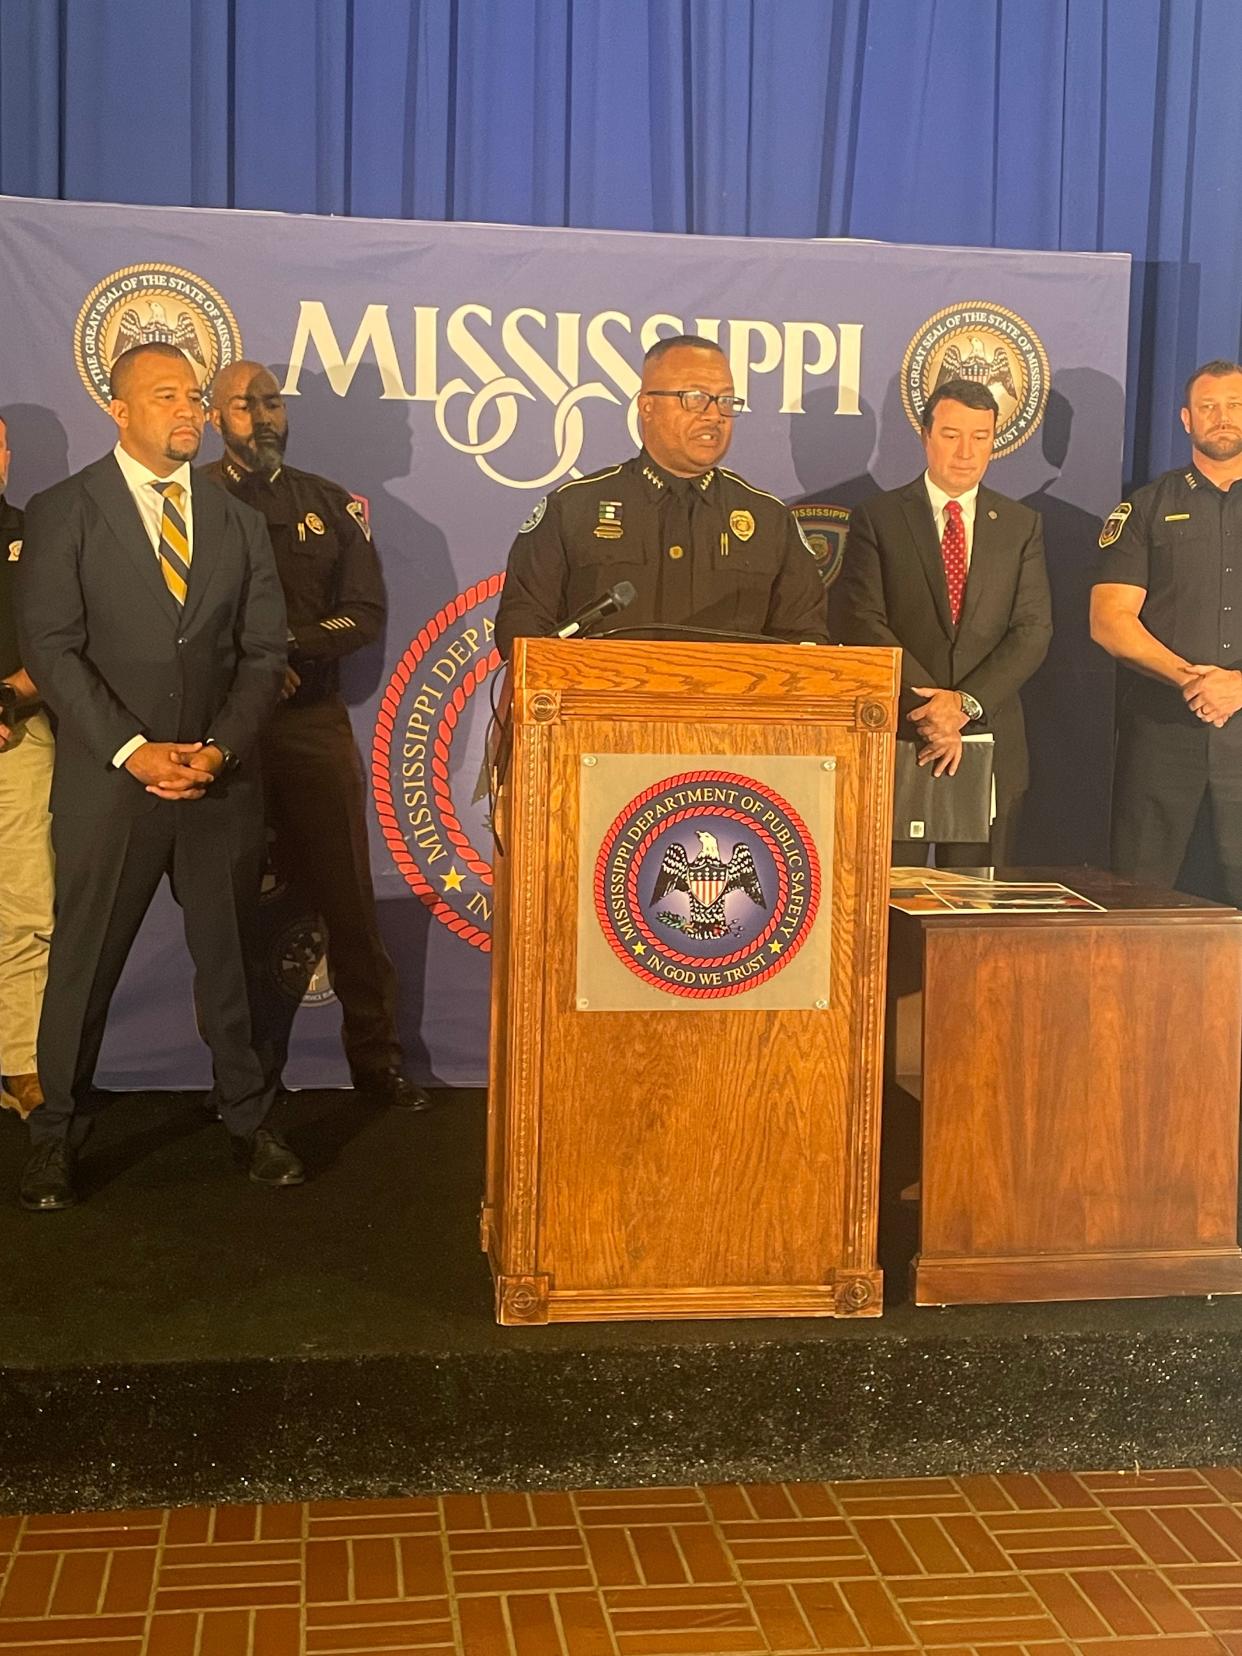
25, 890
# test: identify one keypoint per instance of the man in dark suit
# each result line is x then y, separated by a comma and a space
152, 620
954, 574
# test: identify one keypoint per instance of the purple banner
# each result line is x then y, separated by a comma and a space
453, 374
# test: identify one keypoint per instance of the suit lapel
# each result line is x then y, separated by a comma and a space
111, 492
922, 527
209, 525
987, 544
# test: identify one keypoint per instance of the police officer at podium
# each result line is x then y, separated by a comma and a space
705, 551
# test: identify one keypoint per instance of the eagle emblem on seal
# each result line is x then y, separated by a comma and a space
158, 330
977, 366
708, 881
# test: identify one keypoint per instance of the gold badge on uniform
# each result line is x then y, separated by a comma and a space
15, 551
314, 523
1115, 523
609, 526
742, 525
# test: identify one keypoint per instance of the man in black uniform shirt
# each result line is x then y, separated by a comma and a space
1168, 605
704, 549
312, 771
25, 835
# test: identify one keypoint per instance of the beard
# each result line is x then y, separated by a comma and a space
1225, 447
263, 451
183, 447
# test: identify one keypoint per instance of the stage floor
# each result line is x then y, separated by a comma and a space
186, 1336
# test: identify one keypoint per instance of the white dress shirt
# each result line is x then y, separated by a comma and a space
150, 504
967, 502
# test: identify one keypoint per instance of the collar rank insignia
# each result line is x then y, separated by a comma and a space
742, 525
704, 483
314, 523
1115, 523
653, 477
15, 551
1192, 481
609, 526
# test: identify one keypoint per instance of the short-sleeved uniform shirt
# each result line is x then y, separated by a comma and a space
11, 521
333, 585
1180, 538
711, 552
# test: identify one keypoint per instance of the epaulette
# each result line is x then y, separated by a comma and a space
766, 493
591, 477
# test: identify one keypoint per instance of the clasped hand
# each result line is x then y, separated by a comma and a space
175, 770
939, 722
1214, 693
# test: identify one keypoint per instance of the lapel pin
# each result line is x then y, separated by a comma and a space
992, 515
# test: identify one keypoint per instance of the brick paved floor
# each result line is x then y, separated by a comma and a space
1062, 1563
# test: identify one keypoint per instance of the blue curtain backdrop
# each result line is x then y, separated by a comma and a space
1073, 124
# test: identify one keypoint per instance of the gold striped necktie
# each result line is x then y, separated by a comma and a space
174, 551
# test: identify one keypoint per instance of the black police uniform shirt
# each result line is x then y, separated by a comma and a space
710, 552
11, 521
1180, 538
334, 588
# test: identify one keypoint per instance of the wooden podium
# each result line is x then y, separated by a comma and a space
703, 1152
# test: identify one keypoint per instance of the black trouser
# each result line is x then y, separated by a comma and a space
997, 852
107, 872
1162, 773
316, 807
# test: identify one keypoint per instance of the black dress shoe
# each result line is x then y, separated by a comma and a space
391, 1087
47, 1178
271, 1160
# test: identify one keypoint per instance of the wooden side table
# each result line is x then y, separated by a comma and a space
1079, 1081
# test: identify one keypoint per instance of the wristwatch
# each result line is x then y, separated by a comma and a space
231, 761
970, 707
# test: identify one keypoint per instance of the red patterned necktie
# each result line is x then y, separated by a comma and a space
953, 551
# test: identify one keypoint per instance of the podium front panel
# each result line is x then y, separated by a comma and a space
697, 1148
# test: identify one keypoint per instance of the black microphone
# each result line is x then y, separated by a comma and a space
616, 598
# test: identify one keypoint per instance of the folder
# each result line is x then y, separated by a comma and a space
945, 809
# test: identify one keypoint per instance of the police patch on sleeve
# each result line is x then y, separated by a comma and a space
535, 518
1115, 523
805, 542
358, 511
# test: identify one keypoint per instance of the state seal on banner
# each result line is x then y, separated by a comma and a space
823, 529
990, 346
427, 759
705, 885
146, 304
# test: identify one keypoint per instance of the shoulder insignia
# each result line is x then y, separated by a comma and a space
1115, 523
734, 478
15, 551
742, 525
535, 518
357, 510
591, 477
803, 539
314, 523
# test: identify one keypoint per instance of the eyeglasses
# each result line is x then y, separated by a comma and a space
698, 402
